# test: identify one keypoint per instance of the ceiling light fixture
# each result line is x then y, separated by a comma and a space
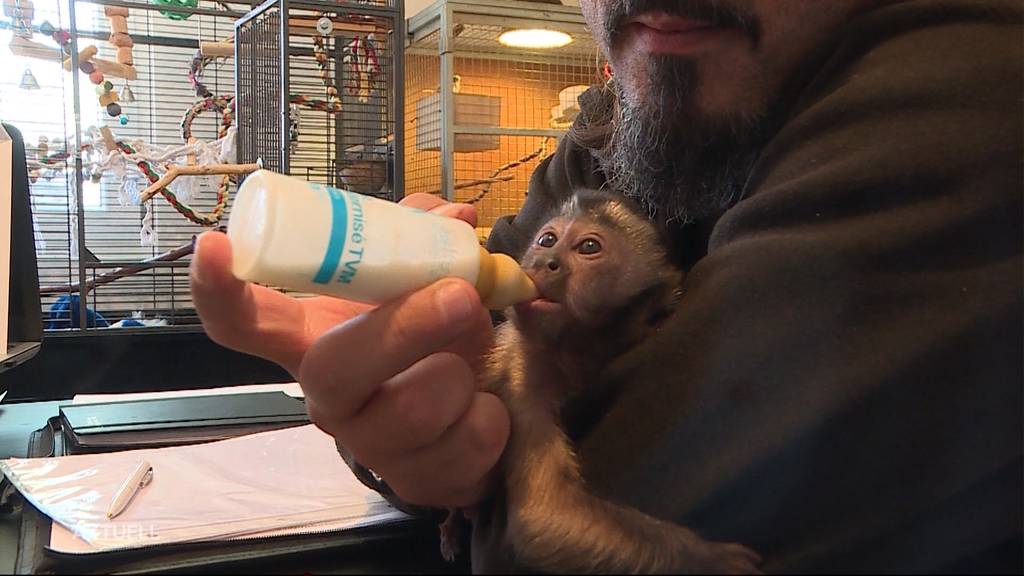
534, 38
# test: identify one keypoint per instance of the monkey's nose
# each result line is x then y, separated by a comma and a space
553, 265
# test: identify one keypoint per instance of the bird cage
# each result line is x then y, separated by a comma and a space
481, 114
106, 260
318, 91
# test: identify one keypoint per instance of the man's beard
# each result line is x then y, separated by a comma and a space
664, 155
657, 147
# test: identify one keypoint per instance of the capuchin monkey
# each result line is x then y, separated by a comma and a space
605, 283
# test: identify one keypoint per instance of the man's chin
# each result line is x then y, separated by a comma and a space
678, 163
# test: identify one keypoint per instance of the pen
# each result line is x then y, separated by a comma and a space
139, 478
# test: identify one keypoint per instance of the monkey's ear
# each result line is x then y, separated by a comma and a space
654, 304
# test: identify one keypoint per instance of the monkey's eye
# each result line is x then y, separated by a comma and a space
589, 246
547, 239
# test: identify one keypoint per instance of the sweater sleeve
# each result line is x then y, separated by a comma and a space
841, 386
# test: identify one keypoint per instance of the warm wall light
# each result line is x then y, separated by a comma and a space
534, 38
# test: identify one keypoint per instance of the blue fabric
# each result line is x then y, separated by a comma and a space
64, 314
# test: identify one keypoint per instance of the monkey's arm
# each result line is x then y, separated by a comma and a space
557, 526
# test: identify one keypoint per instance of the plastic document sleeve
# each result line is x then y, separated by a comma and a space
283, 482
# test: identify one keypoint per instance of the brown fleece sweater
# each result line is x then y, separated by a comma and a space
841, 387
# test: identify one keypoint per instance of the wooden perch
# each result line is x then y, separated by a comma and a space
108, 277
472, 183
114, 69
108, 139
190, 160
217, 49
30, 49
24, 47
202, 170
85, 55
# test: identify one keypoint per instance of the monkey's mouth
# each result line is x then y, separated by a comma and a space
549, 296
539, 305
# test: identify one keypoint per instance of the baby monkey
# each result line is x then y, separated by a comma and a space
605, 283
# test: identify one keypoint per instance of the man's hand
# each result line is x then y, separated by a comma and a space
395, 384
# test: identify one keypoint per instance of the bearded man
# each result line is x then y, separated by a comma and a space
840, 387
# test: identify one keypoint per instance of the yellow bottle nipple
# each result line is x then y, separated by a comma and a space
501, 282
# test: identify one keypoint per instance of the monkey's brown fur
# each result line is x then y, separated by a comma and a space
605, 283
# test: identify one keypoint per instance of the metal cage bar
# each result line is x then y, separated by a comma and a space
292, 128
480, 116
86, 237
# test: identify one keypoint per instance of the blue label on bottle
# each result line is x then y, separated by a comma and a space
339, 230
354, 257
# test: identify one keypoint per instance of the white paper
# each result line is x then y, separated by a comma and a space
66, 542
292, 389
291, 479
6, 173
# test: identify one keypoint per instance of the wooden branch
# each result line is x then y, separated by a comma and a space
108, 139
472, 183
29, 49
85, 55
191, 159
114, 69
108, 277
202, 170
217, 49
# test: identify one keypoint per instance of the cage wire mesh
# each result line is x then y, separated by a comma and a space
330, 120
91, 236
52, 191
511, 105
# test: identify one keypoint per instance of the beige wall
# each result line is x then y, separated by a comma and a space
414, 6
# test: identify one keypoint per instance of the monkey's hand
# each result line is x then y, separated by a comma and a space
451, 531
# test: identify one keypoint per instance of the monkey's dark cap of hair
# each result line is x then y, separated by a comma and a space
614, 210
594, 202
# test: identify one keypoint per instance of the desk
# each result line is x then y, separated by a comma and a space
417, 554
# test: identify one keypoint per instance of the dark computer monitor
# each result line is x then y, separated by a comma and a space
25, 324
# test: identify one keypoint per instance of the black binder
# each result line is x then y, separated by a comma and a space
176, 421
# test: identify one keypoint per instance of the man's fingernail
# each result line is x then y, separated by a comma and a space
456, 302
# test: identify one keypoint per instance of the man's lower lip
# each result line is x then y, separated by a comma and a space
678, 43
